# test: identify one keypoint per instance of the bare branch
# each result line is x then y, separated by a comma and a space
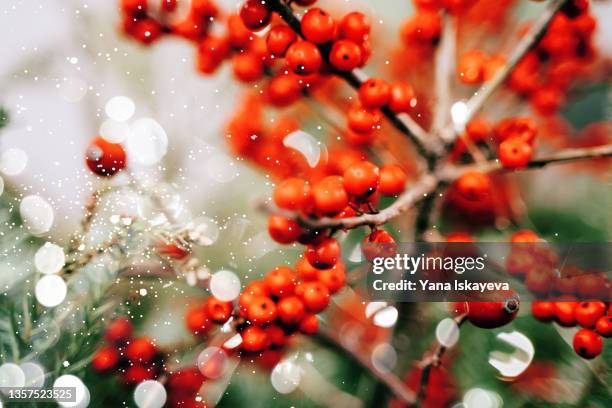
424, 186
445, 65
527, 42
433, 360
425, 146
399, 389
450, 173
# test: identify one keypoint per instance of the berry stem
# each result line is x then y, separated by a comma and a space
450, 172
424, 145
390, 380
527, 42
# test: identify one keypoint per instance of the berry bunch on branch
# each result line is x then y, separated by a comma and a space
402, 153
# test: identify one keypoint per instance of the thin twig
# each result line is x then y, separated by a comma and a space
431, 361
451, 172
445, 65
399, 389
527, 42
404, 123
423, 187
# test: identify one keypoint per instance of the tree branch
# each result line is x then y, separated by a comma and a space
424, 186
402, 122
527, 42
451, 172
433, 360
399, 389
445, 64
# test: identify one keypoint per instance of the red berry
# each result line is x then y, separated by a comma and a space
305, 270
374, 93
291, 310
280, 281
255, 14
119, 330
329, 195
392, 180
276, 336
185, 381
303, 58
238, 34
247, 66
334, 278
514, 153
604, 326
146, 30
310, 324
283, 89
292, 194
355, 27
173, 250
140, 349
254, 339
490, 315
564, 312
345, 55
361, 178
587, 313
587, 343
261, 310
362, 120
402, 97
323, 255
135, 374
197, 320
133, 7
524, 236
104, 158
315, 296
217, 310
543, 310
474, 186
279, 39
318, 26
105, 359
250, 293
470, 68
283, 230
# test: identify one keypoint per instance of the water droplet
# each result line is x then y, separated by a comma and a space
147, 142
150, 394
225, 285
120, 108
13, 162
447, 332
286, 377
113, 131
386, 317
306, 144
49, 258
37, 214
50, 290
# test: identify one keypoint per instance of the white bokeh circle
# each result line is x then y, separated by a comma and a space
225, 285
120, 108
50, 290
49, 258
150, 394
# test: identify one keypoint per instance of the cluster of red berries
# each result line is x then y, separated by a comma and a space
422, 30
351, 194
441, 389
136, 358
514, 138
595, 318
182, 388
536, 263
563, 54
104, 158
344, 44
477, 66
